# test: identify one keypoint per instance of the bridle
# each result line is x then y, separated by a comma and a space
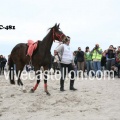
57, 35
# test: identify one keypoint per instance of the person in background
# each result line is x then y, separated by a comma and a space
110, 57
103, 61
66, 63
75, 61
88, 59
118, 61
96, 56
2, 64
80, 60
115, 49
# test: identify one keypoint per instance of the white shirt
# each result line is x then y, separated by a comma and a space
66, 53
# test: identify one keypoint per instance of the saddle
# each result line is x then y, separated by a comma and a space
31, 47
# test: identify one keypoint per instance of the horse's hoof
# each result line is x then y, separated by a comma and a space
31, 91
24, 91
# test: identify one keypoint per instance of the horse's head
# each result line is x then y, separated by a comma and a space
57, 33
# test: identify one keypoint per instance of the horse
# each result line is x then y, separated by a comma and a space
41, 57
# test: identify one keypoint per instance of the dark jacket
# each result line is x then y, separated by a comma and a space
3, 62
111, 54
80, 56
103, 61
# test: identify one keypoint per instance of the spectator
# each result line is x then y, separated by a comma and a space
103, 60
96, 56
118, 61
75, 62
2, 64
80, 60
88, 59
110, 57
115, 49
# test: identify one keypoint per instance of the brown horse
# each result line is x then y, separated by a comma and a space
41, 57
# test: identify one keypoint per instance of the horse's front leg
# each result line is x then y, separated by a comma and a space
19, 81
45, 79
38, 81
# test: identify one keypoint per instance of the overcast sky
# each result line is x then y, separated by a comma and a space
87, 22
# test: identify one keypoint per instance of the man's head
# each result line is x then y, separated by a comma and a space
96, 46
111, 47
1, 56
118, 48
79, 48
87, 49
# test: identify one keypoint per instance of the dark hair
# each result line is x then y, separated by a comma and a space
111, 45
87, 47
75, 52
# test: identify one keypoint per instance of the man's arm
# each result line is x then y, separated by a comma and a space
99, 51
60, 49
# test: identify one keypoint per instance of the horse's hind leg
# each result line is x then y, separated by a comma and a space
19, 82
19, 70
11, 74
45, 79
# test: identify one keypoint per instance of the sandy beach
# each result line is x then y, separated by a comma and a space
94, 100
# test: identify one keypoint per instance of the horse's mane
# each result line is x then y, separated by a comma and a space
55, 26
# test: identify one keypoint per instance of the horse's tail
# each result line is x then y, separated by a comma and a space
11, 70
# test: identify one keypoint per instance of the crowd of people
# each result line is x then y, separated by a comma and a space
95, 59
3, 62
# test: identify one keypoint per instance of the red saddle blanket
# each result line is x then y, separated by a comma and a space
31, 47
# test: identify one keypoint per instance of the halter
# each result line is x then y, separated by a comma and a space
57, 35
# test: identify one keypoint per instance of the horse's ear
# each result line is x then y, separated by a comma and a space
58, 25
55, 24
